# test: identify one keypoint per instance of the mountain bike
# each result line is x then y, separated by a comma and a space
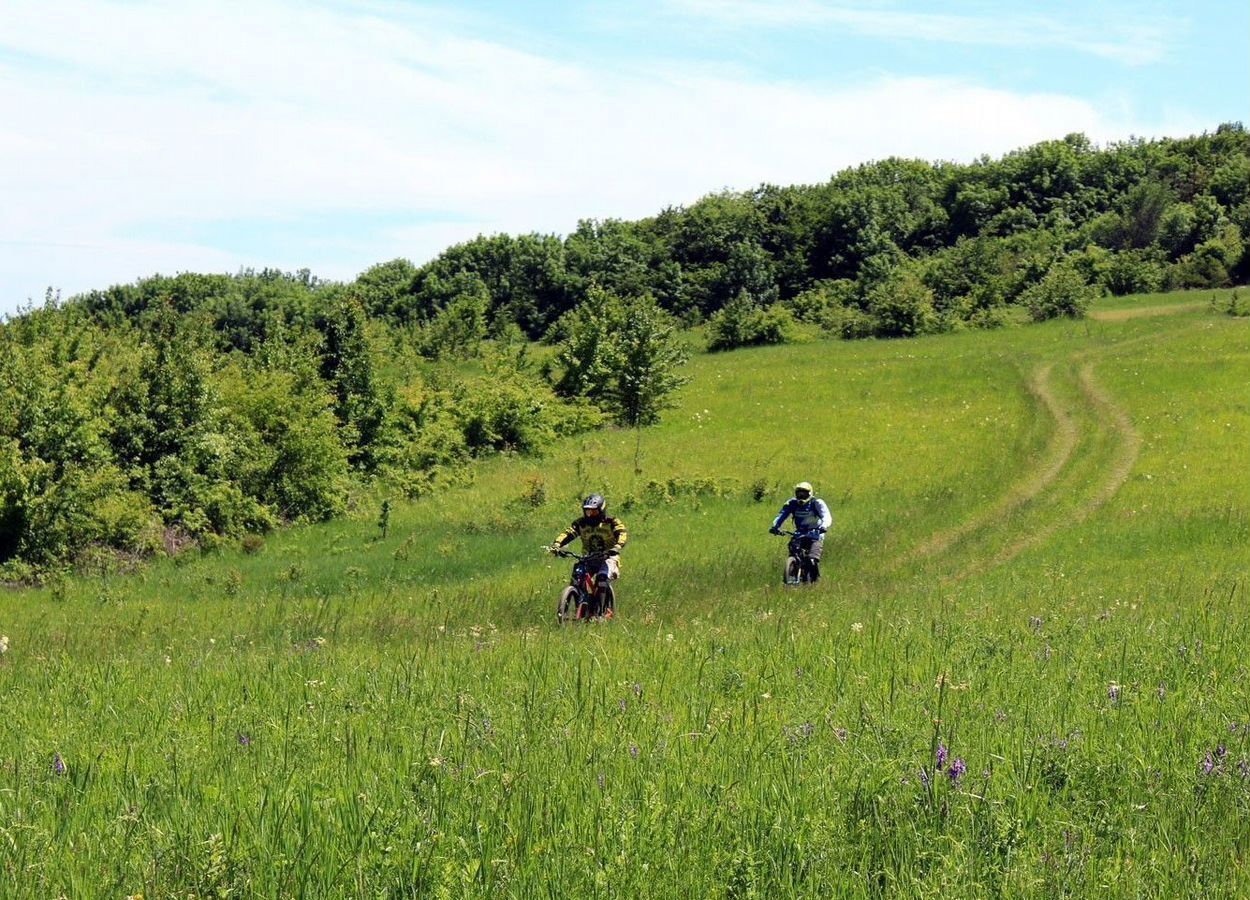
583, 600
798, 569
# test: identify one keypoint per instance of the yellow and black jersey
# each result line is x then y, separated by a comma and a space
598, 534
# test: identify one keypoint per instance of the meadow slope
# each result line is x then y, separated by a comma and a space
1038, 570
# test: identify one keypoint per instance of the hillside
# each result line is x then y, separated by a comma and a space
197, 409
1037, 571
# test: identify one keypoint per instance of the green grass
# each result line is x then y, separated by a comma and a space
344, 715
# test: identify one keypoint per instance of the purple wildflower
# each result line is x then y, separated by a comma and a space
633, 751
941, 757
622, 705
1220, 752
1244, 768
806, 729
957, 769
841, 734
58, 764
1208, 764
245, 740
637, 689
1113, 693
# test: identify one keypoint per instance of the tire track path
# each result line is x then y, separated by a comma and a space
1118, 468
1058, 451
1091, 416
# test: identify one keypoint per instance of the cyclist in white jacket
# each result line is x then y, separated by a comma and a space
811, 520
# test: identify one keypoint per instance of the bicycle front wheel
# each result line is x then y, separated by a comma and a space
566, 608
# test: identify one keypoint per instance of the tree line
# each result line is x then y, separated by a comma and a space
890, 248
197, 408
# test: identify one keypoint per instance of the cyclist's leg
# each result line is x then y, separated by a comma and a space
602, 577
813, 556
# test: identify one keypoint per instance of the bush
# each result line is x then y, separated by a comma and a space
1062, 293
458, 329
1212, 263
743, 324
285, 444
517, 413
824, 305
902, 306
423, 442
1132, 272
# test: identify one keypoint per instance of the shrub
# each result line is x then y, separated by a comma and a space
457, 330
1062, 293
1132, 272
741, 323
285, 444
824, 304
902, 305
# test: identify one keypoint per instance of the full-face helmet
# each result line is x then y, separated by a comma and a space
594, 506
803, 490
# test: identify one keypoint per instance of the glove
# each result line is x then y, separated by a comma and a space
774, 530
822, 529
553, 549
615, 551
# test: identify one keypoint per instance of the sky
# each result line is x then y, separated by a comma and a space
143, 137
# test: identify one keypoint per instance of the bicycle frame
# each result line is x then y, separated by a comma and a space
799, 548
584, 578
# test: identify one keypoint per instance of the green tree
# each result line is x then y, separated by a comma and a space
347, 366
622, 354
648, 356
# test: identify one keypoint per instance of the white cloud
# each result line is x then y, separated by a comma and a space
146, 117
1121, 35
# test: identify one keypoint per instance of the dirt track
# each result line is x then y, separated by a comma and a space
1142, 312
1089, 415
1058, 450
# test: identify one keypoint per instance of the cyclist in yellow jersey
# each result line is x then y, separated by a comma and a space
600, 533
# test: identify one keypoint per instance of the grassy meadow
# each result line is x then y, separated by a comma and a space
1024, 673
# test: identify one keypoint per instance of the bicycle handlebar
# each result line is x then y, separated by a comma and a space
569, 554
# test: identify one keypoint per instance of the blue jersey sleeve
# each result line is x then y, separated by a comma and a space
783, 515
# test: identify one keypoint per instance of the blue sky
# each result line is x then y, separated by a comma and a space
141, 137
